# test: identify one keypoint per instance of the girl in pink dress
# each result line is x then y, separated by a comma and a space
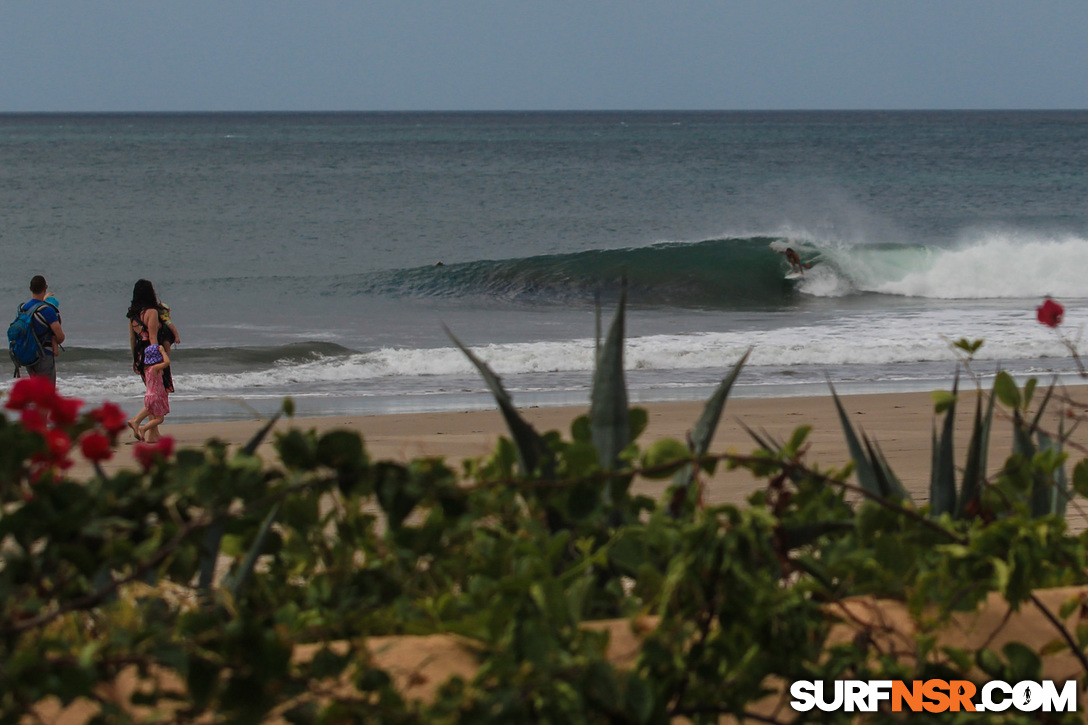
156, 399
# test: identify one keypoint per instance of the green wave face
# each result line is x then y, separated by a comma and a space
717, 273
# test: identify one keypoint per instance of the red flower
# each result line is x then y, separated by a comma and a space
95, 446
1050, 313
148, 453
33, 420
110, 417
166, 446
64, 411
54, 457
41, 464
145, 453
31, 391
58, 443
35, 396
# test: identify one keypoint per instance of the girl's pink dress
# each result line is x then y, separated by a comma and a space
156, 400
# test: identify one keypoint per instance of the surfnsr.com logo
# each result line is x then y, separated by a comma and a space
934, 696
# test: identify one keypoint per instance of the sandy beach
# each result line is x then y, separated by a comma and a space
902, 423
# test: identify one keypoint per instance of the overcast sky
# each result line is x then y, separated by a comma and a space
371, 55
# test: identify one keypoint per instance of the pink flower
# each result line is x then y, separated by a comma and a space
1050, 313
148, 453
95, 446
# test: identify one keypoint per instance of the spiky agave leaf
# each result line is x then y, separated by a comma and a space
942, 480
974, 471
1042, 405
609, 424
1061, 480
763, 439
251, 447
704, 429
1049, 495
1042, 487
533, 452
712, 412
1041, 497
1052, 495
1021, 438
241, 575
1024, 446
864, 466
885, 476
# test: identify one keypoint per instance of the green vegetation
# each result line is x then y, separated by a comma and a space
217, 568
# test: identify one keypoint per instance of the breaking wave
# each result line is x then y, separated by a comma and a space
736, 273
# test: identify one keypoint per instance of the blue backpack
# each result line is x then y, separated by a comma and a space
23, 343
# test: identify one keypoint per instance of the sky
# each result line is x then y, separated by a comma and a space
432, 55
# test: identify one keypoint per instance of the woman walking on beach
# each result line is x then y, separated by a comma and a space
149, 324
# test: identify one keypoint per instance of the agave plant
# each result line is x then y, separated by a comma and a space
534, 457
611, 422
873, 472
1048, 490
699, 440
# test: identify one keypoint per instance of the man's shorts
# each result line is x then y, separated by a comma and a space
44, 368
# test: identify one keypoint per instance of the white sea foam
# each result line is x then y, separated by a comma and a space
860, 339
1002, 264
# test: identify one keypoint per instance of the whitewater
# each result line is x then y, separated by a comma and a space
997, 265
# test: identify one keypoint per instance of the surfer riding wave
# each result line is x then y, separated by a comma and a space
796, 265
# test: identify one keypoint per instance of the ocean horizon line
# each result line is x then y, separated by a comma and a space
534, 111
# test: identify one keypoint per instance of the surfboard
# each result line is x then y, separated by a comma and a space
794, 275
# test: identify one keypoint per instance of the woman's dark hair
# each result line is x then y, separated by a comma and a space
143, 297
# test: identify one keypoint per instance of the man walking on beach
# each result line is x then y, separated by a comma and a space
46, 326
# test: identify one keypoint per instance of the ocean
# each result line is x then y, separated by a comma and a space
322, 256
